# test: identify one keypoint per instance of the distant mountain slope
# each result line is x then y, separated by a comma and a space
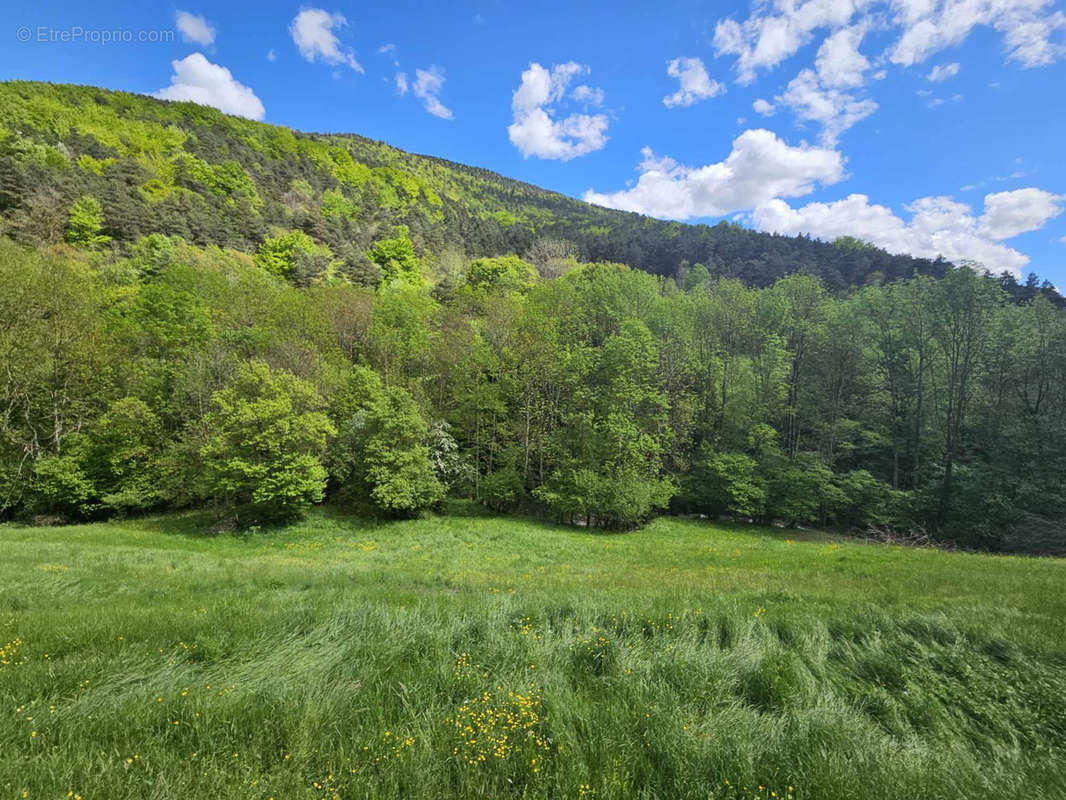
189, 170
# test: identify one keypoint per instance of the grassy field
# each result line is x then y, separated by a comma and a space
471, 657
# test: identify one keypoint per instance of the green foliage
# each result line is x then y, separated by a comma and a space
336, 205
609, 445
802, 490
503, 274
125, 447
502, 488
295, 256
697, 275
395, 257
868, 502
400, 330
614, 497
109, 469
262, 447
60, 484
381, 455
851, 243
54, 381
723, 483
86, 222
931, 399
94, 165
396, 461
506, 218
225, 181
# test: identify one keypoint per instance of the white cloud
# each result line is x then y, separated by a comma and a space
427, 87
1013, 175
312, 32
401, 82
938, 226
197, 80
540, 87
839, 63
942, 72
777, 29
765, 40
271, 55
1030, 41
194, 28
824, 94
834, 109
389, 51
929, 26
536, 132
1062, 239
763, 107
696, 84
759, 168
936, 102
1008, 214
587, 95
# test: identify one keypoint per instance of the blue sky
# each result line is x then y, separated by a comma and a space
925, 126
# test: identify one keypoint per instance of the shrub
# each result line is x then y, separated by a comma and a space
610, 499
867, 501
502, 488
60, 484
723, 483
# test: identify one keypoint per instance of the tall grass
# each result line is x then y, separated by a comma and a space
479, 657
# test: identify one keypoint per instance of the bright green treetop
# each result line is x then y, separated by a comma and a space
86, 222
265, 436
396, 257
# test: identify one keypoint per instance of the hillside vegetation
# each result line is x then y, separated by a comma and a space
469, 657
191, 171
177, 377
200, 311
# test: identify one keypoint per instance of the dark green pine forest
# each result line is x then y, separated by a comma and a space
200, 311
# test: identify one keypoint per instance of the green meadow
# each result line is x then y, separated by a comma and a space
468, 656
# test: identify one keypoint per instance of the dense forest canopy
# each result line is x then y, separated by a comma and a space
202, 310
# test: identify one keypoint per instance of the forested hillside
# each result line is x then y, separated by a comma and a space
187, 170
201, 311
